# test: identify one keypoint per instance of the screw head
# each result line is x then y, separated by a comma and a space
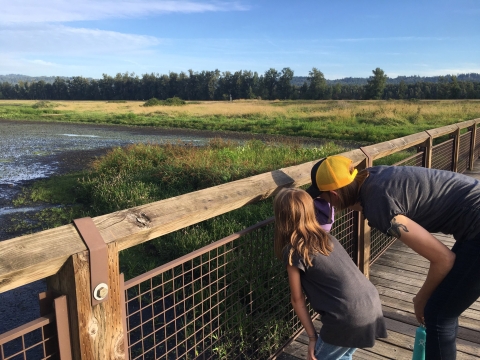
101, 291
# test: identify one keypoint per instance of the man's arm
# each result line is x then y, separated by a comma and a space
425, 244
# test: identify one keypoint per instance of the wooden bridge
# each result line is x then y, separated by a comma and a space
398, 275
225, 300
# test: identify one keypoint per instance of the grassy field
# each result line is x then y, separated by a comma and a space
369, 121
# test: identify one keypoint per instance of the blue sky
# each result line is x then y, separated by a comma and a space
341, 38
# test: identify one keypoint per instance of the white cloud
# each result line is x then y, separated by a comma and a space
54, 11
63, 40
42, 62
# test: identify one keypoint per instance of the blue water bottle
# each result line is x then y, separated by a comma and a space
419, 346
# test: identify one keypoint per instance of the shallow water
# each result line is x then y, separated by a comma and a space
25, 145
30, 151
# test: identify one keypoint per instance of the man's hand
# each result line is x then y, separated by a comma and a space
419, 308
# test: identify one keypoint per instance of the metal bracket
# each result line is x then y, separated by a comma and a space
98, 258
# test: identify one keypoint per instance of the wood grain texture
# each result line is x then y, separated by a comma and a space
33, 257
96, 332
385, 148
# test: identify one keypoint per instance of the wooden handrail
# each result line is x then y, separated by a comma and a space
37, 256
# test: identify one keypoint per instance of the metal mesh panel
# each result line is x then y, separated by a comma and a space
414, 160
464, 152
379, 242
228, 300
476, 152
34, 340
344, 230
442, 155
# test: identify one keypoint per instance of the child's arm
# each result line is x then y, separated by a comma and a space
298, 302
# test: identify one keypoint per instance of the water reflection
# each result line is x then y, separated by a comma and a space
24, 146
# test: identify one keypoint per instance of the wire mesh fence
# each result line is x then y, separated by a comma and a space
345, 230
228, 300
464, 152
442, 155
34, 340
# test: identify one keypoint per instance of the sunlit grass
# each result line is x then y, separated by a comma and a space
370, 121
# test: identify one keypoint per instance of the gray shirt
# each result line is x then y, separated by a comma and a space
438, 200
348, 303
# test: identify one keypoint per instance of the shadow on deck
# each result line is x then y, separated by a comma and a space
398, 275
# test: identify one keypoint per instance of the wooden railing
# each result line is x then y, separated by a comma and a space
61, 255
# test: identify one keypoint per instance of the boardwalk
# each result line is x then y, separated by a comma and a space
398, 275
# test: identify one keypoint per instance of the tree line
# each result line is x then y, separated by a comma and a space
243, 84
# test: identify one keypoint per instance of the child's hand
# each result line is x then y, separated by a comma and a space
311, 349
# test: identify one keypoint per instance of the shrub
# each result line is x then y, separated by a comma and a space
44, 104
175, 101
153, 102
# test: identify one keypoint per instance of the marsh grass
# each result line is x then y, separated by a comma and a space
370, 121
144, 173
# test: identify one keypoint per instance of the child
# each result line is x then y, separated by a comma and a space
348, 303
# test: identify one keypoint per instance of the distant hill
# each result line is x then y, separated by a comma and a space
297, 80
16, 78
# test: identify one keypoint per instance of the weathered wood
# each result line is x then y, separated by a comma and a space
363, 231
467, 123
385, 148
364, 246
473, 141
409, 318
463, 346
428, 152
469, 319
444, 130
33, 257
398, 265
456, 150
96, 332
36, 256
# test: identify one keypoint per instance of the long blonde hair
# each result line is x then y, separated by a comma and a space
297, 227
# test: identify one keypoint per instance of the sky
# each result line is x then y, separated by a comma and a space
341, 38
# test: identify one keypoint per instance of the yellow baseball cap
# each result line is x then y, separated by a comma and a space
331, 173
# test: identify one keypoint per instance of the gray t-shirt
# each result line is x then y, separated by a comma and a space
348, 303
438, 200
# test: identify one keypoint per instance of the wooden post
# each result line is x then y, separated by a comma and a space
456, 149
364, 245
96, 331
363, 236
472, 147
428, 152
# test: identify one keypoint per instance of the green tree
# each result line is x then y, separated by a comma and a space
270, 80
318, 85
376, 84
402, 90
285, 88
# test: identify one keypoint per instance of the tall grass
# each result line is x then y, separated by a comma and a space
371, 121
144, 173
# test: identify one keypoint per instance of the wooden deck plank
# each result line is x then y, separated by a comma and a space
398, 275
